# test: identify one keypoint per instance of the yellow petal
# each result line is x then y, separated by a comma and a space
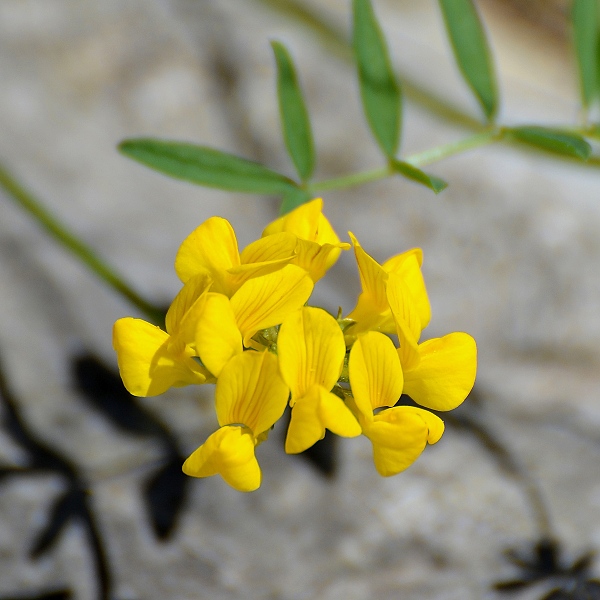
274, 248
250, 391
312, 414
315, 258
373, 278
336, 416
211, 247
446, 372
375, 372
147, 364
311, 350
303, 221
325, 234
372, 306
218, 338
265, 301
318, 244
408, 267
395, 263
408, 323
399, 435
261, 257
184, 300
229, 452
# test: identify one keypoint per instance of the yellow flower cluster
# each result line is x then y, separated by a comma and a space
241, 321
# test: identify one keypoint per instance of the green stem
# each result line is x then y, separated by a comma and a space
440, 152
347, 181
416, 160
75, 246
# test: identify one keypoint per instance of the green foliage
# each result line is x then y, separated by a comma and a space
585, 18
471, 51
552, 140
294, 117
379, 89
382, 104
206, 166
431, 181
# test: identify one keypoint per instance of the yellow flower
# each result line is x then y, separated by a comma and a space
311, 353
318, 245
439, 373
250, 397
226, 325
212, 248
372, 310
152, 360
398, 434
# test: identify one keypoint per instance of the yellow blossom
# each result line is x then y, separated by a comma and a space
152, 360
250, 397
311, 353
212, 248
318, 245
394, 300
438, 373
398, 434
372, 310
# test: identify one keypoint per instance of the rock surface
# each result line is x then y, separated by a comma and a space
511, 256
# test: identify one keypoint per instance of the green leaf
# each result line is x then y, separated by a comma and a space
379, 89
294, 117
206, 166
293, 198
471, 51
584, 16
552, 140
431, 181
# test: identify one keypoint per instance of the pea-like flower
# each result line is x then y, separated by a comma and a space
152, 360
438, 373
372, 310
398, 434
311, 353
250, 397
212, 248
318, 246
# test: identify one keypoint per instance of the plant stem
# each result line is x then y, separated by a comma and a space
440, 152
416, 160
351, 180
74, 245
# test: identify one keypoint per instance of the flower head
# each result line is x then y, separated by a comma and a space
241, 320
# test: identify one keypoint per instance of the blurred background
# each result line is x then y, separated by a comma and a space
91, 502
